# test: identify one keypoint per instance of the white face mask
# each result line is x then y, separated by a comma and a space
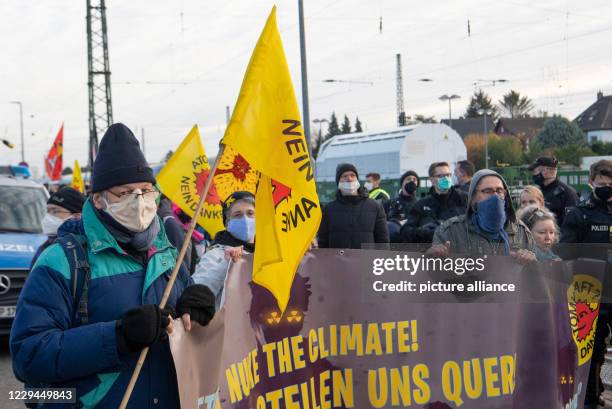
51, 223
369, 186
348, 188
456, 180
134, 214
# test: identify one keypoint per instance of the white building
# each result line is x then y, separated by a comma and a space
391, 152
587, 161
596, 120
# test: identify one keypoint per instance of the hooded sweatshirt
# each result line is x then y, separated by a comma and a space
465, 237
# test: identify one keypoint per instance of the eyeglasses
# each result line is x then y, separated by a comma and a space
442, 175
151, 194
58, 212
500, 191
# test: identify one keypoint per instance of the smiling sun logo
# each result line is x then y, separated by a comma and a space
583, 297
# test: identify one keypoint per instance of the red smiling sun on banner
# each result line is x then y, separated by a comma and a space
200, 180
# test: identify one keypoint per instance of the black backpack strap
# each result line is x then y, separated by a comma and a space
76, 255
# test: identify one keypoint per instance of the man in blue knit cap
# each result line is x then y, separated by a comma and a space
88, 337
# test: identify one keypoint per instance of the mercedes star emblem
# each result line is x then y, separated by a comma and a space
5, 284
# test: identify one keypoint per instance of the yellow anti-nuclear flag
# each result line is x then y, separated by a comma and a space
182, 180
266, 129
234, 174
77, 179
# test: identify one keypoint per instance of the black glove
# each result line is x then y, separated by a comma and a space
199, 302
142, 327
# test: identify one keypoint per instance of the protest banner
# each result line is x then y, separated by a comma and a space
342, 343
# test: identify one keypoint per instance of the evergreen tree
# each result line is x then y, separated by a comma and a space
358, 125
602, 148
333, 129
559, 131
346, 126
167, 156
420, 118
480, 100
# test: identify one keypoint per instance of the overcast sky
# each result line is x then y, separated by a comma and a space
556, 52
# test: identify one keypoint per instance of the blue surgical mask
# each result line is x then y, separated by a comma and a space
491, 214
242, 228
444, 184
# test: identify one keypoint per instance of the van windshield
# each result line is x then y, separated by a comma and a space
22, 209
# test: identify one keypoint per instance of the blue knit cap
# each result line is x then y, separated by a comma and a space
119, 161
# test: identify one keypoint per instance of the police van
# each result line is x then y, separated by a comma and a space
23, 204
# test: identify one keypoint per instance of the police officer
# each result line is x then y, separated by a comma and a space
590, 222
375, 191
558, 196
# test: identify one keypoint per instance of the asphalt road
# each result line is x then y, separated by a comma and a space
7, 379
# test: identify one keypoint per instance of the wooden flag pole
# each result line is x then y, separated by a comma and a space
179, 260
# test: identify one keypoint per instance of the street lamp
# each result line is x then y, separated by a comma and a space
492, 82
21, 124
320, 122
484, 113
444, 98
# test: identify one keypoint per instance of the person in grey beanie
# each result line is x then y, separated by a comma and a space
489, 225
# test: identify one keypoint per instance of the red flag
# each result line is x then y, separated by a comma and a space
53, 161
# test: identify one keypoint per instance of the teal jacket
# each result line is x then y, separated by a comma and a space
47, 349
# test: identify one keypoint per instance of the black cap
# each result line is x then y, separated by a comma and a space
234, 197
68, 198
410, 173
345, 167
119, 161
548, 161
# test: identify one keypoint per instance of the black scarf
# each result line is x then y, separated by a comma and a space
226, 239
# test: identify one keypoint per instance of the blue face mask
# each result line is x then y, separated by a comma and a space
444, 184
242, 228
491, 214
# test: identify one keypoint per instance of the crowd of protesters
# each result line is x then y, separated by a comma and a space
121, 242
475, 214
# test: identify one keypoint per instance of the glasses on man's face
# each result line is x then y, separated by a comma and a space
500, 191
58, 212
150, 194
442, 175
